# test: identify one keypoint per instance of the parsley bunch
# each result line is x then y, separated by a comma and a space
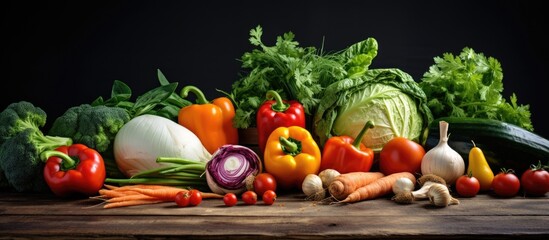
470, 85
295, 72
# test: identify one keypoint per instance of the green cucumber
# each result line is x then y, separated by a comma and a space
504, 145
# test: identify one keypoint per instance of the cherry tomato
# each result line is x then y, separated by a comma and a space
467, 186
401, 155
183, 198
249, 197
269, 197
535, 181
195, 197
264, 182
506, 184
230, 199
188, 198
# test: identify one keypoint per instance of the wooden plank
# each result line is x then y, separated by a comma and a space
290, 205
274, 227
43, 216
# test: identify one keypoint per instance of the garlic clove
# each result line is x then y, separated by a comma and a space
439, 195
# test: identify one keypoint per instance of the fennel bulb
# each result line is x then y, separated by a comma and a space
143, 139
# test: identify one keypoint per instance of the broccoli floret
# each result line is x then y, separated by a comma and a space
19, 116
21, 161
14, 119
95, 127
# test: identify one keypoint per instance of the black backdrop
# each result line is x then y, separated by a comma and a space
58, 54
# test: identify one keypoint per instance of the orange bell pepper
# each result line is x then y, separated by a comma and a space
345, 154
211, 122
291, 154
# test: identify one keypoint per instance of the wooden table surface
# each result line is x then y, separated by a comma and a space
25, 216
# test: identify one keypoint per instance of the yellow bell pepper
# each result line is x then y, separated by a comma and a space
290, 155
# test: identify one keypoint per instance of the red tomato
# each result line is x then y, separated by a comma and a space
467, 186
269, 197
183, 198
195, 197
401, 155
230, 199
535, 181
188, 198
264, 182
249, 197
506, 184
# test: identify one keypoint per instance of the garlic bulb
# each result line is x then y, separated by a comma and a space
439, 195
327, 176
442, 160
312, 187
403, 185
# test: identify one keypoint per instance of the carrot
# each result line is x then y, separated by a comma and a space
378, 188
131, 195
142, 186
131, 203
346, 183
163, 193
131, 198
110, 187
112, 193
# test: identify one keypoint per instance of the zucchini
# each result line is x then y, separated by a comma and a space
504, 145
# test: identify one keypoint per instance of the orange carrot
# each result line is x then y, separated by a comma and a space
110, 187
131, 203
142, 186
164, 193
131, 195
346, 183
112, 193
131, 198
378, 188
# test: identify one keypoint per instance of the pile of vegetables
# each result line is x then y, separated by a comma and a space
159, 147
96, 124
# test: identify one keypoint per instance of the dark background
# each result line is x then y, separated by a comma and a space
58, 54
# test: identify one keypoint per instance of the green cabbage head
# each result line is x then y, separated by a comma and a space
388, 97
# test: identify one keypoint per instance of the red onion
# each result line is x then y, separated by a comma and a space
229, 167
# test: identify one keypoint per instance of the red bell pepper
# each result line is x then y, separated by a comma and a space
345, 154
277, 113
74, 169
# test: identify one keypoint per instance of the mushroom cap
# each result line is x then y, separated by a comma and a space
430, 178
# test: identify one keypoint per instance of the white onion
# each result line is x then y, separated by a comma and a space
143, 139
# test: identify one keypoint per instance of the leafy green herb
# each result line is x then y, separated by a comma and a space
162, 101
470, 85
